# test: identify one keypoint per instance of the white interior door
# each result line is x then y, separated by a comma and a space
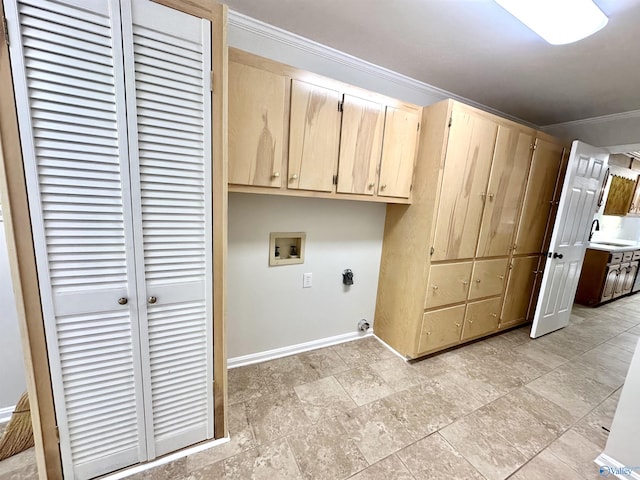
569, 240
168, 73
66, 59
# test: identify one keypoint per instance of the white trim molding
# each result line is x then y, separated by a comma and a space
293, 349
610, 467
5, 413
240, 22
632, 114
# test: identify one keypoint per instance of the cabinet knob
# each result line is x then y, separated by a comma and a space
470, 321
464, 282
494, 315
435, 287
458, 325
477, 280
152, 299
383, 186
483, 195
428, 333
294, 176
501, 277
123, 300
276, 174
371, 185
491, 195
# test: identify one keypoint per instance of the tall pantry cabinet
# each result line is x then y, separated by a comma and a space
114, 105
462, 261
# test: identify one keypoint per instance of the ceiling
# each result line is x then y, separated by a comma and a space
475, 49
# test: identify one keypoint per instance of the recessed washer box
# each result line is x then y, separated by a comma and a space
289, 246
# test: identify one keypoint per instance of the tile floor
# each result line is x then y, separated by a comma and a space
504, 407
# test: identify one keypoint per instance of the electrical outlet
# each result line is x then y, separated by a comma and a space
307, 280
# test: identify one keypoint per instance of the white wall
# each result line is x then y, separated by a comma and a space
267, 308
622, 443
12, 378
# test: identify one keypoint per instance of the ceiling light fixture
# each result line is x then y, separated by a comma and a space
557, 21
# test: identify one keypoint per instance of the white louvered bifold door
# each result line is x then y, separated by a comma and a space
169, 114
67, 65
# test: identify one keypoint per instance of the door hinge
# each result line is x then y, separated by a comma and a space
211, 85
340, 105
432, 250
335, 179
5, 29
450, 120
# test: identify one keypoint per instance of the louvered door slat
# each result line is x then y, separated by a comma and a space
169, 104
67, 64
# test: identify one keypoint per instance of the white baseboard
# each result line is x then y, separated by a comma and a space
5, 413
393, 350
611, 467
293, 349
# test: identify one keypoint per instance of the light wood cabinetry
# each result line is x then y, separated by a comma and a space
453, 246
296, 133
314, 135
620, 196
360, 145
398, 152
606, 276
257, 121
441, 328
448, 283
481, 318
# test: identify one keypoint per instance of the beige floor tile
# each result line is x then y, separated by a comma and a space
397, 373
609, 372
325, 361
635, 330
627, 341
541, 354
325, 451
434, 458
554, 418
545, 466
391, 468
591, 426
271, 461
214, 471
277, 415
21, 466
245, 383
576, 394
363, 385
241, 439
577, 452
376, 430
287, 372
612, 351
490, 453
324, 398
169, 471
362, 352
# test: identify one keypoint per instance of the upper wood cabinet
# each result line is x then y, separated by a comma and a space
511, 161
620, 196
314, 134
258, 114
398, 152
464, 185
295, 133
539, 199
360, 145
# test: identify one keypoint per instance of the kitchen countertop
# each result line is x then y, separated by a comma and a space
614, 245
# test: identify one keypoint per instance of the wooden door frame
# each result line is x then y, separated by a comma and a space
20, 245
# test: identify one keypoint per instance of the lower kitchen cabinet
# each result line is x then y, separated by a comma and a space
606, 276
441, 328
481, 318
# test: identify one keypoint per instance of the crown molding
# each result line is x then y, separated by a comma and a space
236, 20
632, 114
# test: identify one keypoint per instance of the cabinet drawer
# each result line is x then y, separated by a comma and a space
636, 255
488, 278
482, 318
441, 328
627, 256
447, 284
615, 257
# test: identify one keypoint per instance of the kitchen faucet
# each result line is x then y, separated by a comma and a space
597, 229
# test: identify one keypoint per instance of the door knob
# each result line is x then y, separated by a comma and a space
152, 299
557, 255
123, 300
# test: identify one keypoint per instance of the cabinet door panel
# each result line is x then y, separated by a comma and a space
520, 285
541, 184
441, 328
464, 186
398, 152
629, 278
620, 196
313, 137
487, 278
448, 283
610, 282
507, 180
256, 126
481, 318
360, 145
618, 288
